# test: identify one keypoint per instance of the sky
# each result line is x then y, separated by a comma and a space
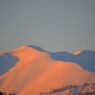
55, 25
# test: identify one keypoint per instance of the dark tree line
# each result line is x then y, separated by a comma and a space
3, 93
88, 93
85, 89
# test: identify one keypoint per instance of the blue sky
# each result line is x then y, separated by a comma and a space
56, 25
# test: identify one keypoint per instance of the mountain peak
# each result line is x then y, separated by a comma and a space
77, 52
25, 47
36, 47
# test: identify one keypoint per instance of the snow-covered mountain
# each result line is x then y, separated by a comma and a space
29, 70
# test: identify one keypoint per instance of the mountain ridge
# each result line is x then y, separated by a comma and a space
85, 58
36, 70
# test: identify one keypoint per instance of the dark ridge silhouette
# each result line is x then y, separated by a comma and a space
86, 58
7, 60
36, 47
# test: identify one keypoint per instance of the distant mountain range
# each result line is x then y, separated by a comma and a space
86, 58
29, 70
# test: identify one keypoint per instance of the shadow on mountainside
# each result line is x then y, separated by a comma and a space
86, 59
7, 61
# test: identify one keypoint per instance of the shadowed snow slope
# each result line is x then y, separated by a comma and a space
86, 58
6, 62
